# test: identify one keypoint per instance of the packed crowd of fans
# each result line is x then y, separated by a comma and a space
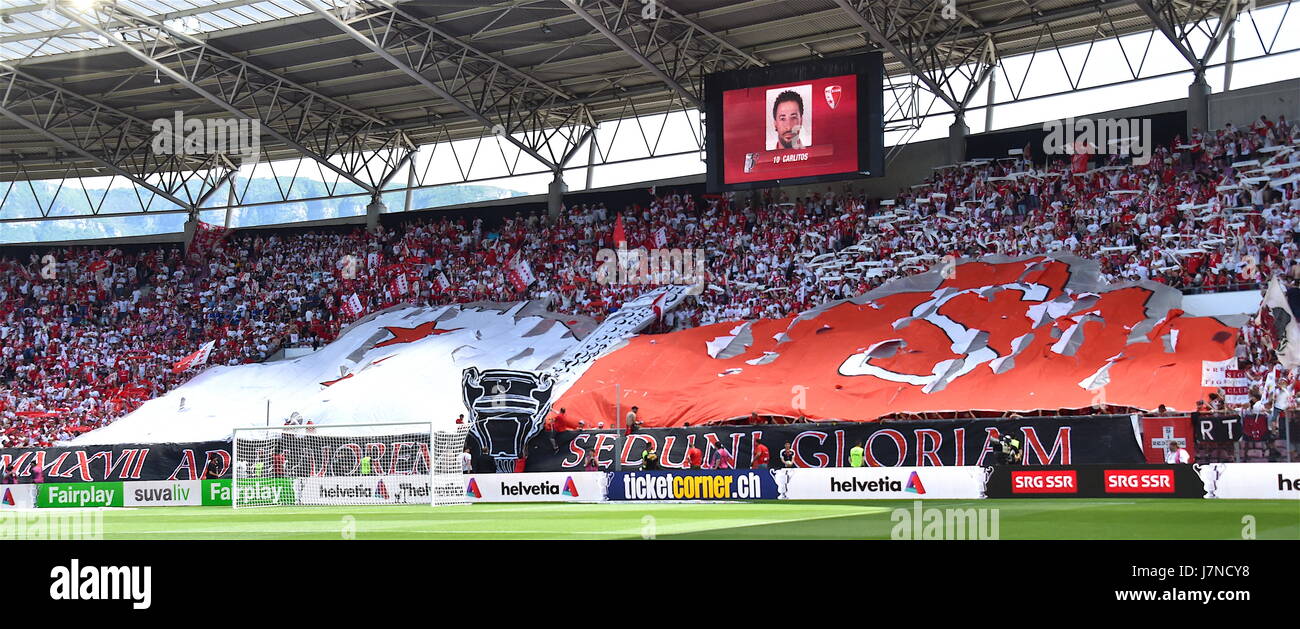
90, 333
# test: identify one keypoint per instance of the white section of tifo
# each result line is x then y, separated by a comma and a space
371, 381
403, 364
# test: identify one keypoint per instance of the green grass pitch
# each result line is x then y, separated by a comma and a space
1017, 519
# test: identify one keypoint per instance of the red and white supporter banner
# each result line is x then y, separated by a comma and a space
1214, 373
661, 237
353, 306
197, 359
1236, 390
520, 274
207, 236
441, 283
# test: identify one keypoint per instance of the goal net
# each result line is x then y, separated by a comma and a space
352, 464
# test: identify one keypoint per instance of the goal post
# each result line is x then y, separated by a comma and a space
348, 464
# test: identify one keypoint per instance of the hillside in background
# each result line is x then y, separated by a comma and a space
21, 201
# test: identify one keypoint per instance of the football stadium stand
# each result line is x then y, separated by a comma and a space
84, 342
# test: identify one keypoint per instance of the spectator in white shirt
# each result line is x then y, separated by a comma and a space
1177, 454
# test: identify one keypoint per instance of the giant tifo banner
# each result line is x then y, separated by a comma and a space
1101, 439
120, 462
999, 334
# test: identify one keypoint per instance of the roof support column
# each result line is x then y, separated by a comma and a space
957, 133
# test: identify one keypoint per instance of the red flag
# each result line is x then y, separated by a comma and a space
97, 266
1079, 161
196, 359
620, 237
206, 237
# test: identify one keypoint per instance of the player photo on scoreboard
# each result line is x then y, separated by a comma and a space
791, 122
768, 130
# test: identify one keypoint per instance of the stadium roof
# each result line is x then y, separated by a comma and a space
331, 79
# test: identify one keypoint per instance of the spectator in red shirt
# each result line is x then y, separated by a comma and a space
761, 456
694, 457
550, 425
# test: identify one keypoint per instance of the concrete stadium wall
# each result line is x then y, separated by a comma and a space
1241, 107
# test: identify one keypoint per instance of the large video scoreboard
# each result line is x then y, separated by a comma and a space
796, 123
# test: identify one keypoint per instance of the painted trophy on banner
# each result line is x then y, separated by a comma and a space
506, 409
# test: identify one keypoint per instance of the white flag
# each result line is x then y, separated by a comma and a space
1278, 300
